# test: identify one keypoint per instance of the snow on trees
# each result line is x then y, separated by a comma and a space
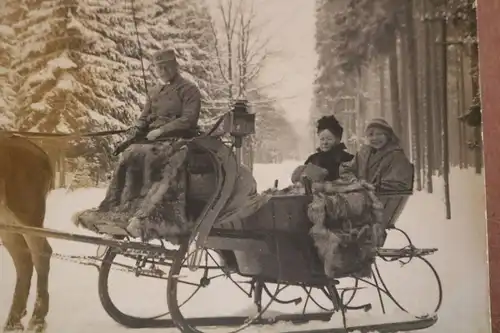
79, 68
7, 94
66, 85
7, 54
67, 77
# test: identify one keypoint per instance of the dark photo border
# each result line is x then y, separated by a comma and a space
488, 12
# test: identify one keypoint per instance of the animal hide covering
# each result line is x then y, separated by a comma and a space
347, 225
149, 192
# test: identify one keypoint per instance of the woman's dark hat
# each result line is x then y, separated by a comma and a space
332, 124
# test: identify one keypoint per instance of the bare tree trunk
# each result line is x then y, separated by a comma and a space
419, 31
54, 161
229, 44
62, 169
394, 86
413, 95
462, 156
478, 151
381, 75
427, 92
460, 91
437, 98
361, 112
405, 112
444, 111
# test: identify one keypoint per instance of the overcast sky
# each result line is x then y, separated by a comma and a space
290, 25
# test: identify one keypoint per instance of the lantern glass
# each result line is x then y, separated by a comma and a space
239, 122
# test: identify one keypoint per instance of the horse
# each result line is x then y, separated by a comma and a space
26, 178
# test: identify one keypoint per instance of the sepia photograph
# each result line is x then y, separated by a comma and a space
242, 166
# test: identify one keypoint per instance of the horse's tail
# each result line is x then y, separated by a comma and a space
5, 164
6, 215
3, 192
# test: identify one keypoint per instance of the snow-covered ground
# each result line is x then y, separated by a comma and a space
460, 261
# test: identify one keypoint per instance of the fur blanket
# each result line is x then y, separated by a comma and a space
347, 222
147, 192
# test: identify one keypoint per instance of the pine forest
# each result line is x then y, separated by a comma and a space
69, 66
412, 62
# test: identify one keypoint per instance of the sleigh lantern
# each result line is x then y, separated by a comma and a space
239, 122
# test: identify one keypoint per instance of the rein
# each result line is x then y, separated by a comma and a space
62, 135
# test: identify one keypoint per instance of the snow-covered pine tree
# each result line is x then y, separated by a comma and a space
9, 10
76, 79
114, 54
71, 75
183, 24
124, 70
80, 63
133, 43
7, 94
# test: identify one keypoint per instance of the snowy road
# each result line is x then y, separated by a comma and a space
461, 262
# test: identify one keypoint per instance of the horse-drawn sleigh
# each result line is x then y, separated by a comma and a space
270, 247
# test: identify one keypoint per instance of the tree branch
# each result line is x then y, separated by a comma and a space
217, 52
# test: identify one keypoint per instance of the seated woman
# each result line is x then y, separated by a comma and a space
348, 218
382, 162
329, 156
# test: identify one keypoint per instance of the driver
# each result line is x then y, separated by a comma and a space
146, 182
173, 108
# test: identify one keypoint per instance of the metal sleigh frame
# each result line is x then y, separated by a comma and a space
262, 245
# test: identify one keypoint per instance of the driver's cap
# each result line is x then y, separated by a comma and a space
164, 56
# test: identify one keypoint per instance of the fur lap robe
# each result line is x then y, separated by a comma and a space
347, 223
147, 194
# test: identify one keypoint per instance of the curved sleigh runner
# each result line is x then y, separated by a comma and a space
265, 255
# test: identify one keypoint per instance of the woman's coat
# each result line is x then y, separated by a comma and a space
388, 169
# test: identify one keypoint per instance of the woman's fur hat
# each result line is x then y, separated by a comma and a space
330, 123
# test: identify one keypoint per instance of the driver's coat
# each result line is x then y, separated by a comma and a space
171, 107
